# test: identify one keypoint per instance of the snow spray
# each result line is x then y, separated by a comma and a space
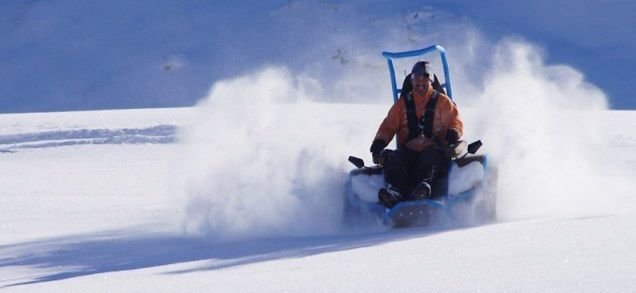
264, 158
260, 163
539, 124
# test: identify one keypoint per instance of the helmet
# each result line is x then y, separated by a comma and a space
422, 68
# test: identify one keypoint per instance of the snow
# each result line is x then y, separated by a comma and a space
367, 186
243, 190
462, 179
82, 55
113, 216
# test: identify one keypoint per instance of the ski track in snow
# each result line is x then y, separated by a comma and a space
159, 134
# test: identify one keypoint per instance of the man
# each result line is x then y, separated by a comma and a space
426, 122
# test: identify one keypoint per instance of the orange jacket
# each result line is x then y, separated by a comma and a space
446, 117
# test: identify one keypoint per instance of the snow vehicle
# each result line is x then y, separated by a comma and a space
466, 196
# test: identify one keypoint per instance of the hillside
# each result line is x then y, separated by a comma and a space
107, 200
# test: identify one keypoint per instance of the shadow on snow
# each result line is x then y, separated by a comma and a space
82, 255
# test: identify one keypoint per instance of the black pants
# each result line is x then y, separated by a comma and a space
404, 169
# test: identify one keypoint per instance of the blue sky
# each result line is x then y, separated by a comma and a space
82, 55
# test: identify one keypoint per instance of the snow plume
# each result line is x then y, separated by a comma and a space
538, 124
258, 163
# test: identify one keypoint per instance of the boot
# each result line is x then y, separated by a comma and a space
421, 191
389, 197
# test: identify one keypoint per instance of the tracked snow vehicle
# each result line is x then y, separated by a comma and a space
466, 196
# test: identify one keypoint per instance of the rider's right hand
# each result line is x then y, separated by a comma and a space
376, 149
377, 146
378, 159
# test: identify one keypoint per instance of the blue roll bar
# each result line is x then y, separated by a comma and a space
442, 52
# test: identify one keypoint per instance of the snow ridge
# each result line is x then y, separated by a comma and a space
158, 134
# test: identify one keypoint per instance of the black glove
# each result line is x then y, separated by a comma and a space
452, 136
377, 146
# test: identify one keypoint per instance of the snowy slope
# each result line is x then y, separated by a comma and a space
82, 55
118, 215
243, 191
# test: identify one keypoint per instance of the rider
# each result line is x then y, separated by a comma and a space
422, 136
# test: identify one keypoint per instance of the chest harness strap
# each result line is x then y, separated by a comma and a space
425, 124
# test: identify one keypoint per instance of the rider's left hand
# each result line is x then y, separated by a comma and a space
452, 136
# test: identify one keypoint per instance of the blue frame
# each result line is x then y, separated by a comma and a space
442, 52
363, 211
445, 203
